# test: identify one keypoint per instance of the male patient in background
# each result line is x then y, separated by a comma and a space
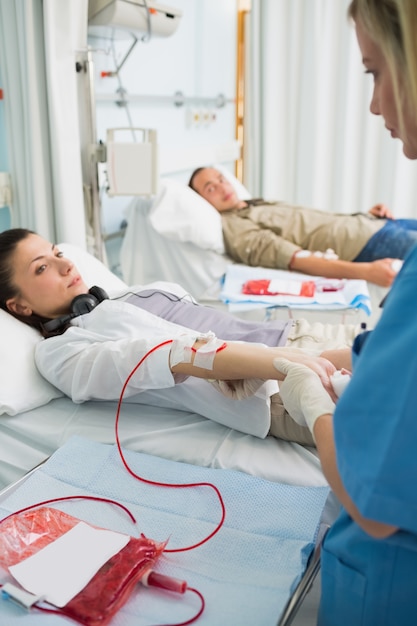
363, 246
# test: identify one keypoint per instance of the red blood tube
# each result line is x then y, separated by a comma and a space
153, 579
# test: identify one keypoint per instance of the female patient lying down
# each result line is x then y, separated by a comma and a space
90, 355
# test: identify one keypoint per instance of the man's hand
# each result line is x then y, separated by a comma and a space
381, 211
381, 272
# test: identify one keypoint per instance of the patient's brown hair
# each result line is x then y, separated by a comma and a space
9, 240
193, 175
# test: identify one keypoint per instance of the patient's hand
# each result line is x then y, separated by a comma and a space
381, 272
321, 366
381, 211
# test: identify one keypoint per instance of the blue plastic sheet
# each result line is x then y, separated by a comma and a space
246, 572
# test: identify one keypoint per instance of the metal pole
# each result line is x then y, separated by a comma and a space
92, 154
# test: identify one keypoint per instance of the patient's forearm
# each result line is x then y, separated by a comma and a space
379, 272
331, 268
236, 361
246, 360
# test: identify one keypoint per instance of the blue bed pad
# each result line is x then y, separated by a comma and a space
246, 572
354, 295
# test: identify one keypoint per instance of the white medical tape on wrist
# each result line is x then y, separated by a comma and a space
204, 356
182, 350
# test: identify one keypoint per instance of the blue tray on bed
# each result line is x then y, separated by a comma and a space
246, 572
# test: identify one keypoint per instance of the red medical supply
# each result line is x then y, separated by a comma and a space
25, 534
277, 287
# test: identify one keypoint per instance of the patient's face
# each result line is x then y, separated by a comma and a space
46, 280
214, 187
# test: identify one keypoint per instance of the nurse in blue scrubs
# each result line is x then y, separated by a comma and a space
368, 444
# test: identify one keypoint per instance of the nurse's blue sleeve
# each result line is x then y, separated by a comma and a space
375, 421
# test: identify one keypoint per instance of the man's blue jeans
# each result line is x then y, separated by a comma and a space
393, 241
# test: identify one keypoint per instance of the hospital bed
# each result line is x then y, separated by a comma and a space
36, 418
176, 236
37, 421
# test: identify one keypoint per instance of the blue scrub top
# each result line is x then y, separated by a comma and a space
375, 422
367, 581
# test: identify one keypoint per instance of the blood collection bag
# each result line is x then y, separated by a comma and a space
23, 535
278, 287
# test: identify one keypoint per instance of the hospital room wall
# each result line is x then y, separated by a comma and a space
4, 211
198, 60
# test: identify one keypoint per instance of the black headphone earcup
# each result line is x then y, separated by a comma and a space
86, 302
98, 293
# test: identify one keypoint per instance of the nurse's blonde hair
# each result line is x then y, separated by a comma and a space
392, 25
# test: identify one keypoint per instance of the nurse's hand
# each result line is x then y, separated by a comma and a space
302, 393
320, 365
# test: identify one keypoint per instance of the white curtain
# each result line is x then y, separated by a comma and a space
38, 43
65, 34
310, 137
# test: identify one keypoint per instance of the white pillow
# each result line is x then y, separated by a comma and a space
23, 388
181, 214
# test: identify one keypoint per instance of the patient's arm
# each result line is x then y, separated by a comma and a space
245, 360
379, 272
341, 358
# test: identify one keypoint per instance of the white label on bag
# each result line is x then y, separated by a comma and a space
64, 567
290, 287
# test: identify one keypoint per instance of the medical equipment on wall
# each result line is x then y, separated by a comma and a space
131, 16
132, 167
139, 20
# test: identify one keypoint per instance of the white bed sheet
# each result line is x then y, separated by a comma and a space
30, 437
147, 256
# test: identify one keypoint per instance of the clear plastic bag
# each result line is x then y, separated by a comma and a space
26, 533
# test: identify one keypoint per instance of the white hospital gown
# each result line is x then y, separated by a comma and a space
92, 360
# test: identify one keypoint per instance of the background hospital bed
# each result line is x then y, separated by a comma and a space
36, 419
176, 236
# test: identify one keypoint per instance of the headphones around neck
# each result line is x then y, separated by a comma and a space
84, 303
